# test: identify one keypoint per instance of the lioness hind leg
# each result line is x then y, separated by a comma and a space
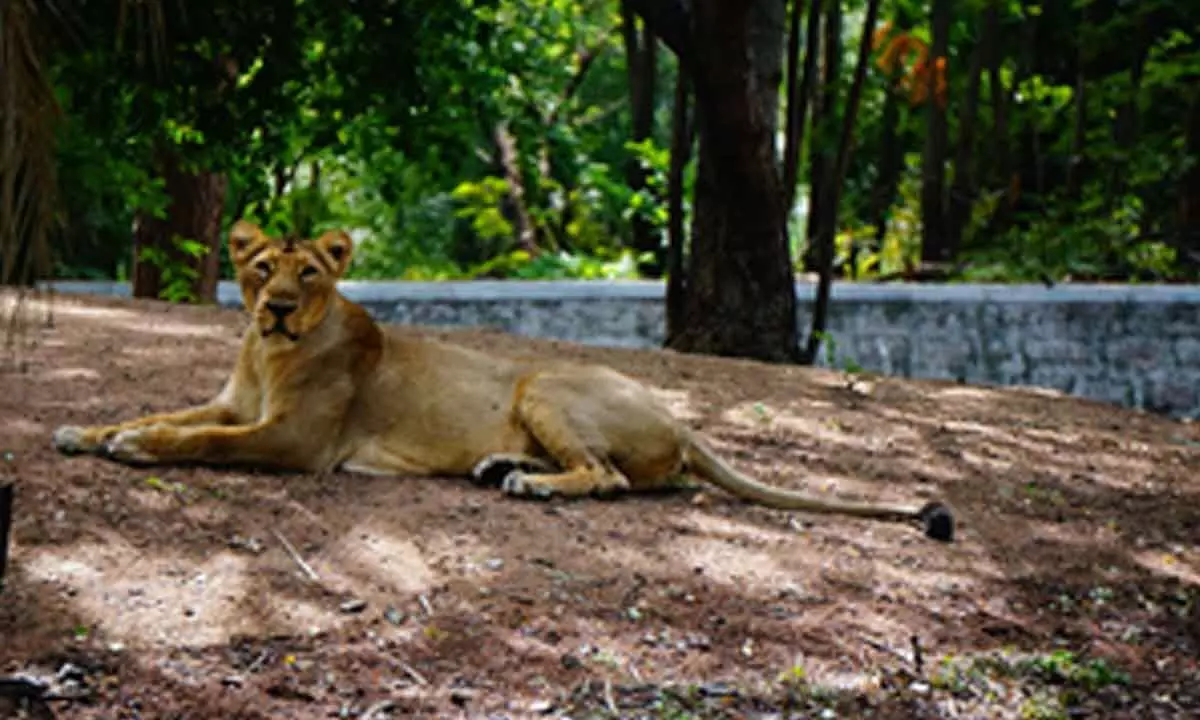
491, 470
575, 483
575, 445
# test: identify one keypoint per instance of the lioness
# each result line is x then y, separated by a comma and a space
319, 385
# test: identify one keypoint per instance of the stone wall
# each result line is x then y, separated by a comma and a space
1134, 345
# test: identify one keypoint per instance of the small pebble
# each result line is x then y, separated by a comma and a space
717, 689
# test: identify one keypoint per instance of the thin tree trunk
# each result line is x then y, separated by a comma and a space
1075, 164
854, 99
962, 191
1189, 193
936, 246
1125, 130
506, 147
799, 98
641, 61
834, 178
822, 155
892, 145
682, 139
1000, 137
741, 297
195, 212
1008, 173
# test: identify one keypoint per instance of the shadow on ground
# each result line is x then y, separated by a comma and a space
171, 591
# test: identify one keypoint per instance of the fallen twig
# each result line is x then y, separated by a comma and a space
412, 673
312, 574
259, 661
918, 660
378, 709
608, 698
884, 647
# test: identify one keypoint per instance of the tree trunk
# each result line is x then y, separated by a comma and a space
1075, 164
822, 154
641, 59
936, 244
682, 139
1000, 137
767, 31
195, 211
506, 154
892, 145
962, 191
741, 299
799, 97
1008, 176
834, 178
1125, 130
1189, 193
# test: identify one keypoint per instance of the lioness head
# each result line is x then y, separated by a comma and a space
287, 284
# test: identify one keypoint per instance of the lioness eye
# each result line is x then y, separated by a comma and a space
308, 272
262, 268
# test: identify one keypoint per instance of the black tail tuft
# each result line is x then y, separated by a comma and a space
938, 521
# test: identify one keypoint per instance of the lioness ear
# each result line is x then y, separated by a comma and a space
245, 240
338, 247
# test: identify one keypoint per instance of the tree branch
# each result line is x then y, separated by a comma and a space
585, 58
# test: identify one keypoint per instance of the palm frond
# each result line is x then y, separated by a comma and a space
28, 122
28, 186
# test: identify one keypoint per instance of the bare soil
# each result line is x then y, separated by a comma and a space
1071, 589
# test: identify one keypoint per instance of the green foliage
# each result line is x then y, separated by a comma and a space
1085, 241
179, 274
901, 246
1065, 667
561, 265
381, 118
649, 203
481, 202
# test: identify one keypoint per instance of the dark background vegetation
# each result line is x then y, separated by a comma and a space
725, 146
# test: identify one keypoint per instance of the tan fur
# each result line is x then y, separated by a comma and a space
327, 387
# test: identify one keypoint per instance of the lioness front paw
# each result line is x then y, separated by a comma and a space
73, 440
518, 484
129, 447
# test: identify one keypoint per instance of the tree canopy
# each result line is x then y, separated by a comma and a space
995, 140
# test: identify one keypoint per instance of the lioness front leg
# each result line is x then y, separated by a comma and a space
266, 444
74, 439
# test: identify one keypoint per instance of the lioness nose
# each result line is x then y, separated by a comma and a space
280, 308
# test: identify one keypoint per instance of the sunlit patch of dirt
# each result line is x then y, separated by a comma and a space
1078, 526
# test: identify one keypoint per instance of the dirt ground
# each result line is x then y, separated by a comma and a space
1071, 590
